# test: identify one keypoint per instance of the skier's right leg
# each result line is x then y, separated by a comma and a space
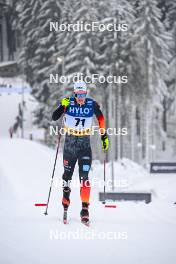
69, 162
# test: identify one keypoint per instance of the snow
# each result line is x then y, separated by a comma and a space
146, 232
13, 85
7, 63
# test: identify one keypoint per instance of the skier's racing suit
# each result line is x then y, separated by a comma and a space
77, 124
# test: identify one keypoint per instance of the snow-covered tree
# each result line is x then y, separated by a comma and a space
38, 47
141, 53
27, 25
171, 24
78, 47
43, 63
150, 41
111, 60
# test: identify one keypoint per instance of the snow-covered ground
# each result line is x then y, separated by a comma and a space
136, 233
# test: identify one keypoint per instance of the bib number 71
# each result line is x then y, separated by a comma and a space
78, 120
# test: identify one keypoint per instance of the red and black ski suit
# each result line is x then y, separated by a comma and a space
77, 148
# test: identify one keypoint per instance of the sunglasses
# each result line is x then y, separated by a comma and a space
83, 95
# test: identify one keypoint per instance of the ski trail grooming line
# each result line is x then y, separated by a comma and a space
104, 202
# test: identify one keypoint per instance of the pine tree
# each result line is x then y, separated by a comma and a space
38, 48
171, 23
152, 52
169, 102
27, 25
77, 47
112, 59
43, 60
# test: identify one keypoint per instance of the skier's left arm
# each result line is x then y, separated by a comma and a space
101, 121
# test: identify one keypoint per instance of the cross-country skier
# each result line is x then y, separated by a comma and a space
79, 111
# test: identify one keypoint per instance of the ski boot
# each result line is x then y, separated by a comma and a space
85, 214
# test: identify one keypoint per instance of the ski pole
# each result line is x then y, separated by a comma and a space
104, 202
104, 191
59, 138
